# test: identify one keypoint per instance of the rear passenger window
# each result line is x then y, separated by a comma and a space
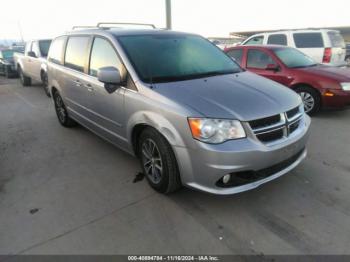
258, 59
278, 39
103, 55
76, 52
308, 40
56, 50
258, 40
237, 54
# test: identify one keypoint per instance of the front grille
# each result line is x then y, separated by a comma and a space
292, 113
247, 177
276, 127
263, 122
271, 136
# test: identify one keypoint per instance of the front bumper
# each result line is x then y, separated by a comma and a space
339, 99
201, 168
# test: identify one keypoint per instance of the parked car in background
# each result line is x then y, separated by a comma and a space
317, 84
7, 65
187, 110
347, 57
33, 63
224, 43
323, 45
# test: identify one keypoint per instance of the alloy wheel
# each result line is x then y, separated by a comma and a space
152, 161
308, 100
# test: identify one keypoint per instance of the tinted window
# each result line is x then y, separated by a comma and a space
103, 55
76, 52
336, 39
169, 57
293, 58
258, 40
258, 59
279, 39
56, 50
308, 40
7, 54
237, 54
44, 47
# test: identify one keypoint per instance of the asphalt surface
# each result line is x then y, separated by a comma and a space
66, 191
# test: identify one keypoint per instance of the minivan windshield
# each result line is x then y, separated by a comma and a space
44, 46
293, 58
168, 57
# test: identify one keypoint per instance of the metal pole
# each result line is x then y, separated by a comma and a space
168, 14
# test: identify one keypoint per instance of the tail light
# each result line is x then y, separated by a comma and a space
327, 56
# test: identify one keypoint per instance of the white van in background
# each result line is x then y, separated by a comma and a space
323, 45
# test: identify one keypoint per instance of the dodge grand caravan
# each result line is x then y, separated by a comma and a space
176, 101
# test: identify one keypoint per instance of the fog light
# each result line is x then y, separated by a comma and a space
226, 179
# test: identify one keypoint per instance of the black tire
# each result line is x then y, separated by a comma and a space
311, 99
347, 60
7, 73
169, 177
25, 81
45, 83
61, 111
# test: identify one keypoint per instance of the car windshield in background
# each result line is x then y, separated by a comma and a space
7, 54
336, 39
293, 58
168, 58
44, 47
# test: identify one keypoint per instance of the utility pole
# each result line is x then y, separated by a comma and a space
168, 14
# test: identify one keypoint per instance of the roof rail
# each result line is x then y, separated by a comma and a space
82, 27
100, 25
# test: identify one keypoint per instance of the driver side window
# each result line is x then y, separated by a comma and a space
103, 55
259, 59
257, 40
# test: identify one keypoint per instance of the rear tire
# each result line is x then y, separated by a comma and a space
311, 99
25, 81
61, 111
158, 162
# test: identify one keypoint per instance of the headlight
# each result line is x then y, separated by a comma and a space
345, 86
216, 131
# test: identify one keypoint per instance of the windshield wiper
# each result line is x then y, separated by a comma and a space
305, 66
162, 79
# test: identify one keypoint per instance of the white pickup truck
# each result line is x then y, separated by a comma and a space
32, 64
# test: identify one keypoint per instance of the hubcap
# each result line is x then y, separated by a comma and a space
152, 161
308, 100
61, 112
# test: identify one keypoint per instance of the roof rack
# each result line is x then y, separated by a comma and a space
82, 27
100, 25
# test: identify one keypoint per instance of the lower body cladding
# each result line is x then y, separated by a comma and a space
336, 98
240, 165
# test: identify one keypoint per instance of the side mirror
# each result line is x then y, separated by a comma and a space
111, 77
31, 54
272, 67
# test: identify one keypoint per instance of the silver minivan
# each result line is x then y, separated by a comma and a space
176, 101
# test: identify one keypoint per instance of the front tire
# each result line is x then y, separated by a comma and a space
311, 99
61, 112
25, 81
158, 162
45, 82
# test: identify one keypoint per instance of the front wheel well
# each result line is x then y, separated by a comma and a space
300, 85
135, 134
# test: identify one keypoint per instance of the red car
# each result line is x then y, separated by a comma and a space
318, 85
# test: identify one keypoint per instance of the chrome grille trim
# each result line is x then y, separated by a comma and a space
285, 123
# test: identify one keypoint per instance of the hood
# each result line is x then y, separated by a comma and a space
335, 73
244, 96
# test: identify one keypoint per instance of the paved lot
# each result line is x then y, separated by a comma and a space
67, 191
